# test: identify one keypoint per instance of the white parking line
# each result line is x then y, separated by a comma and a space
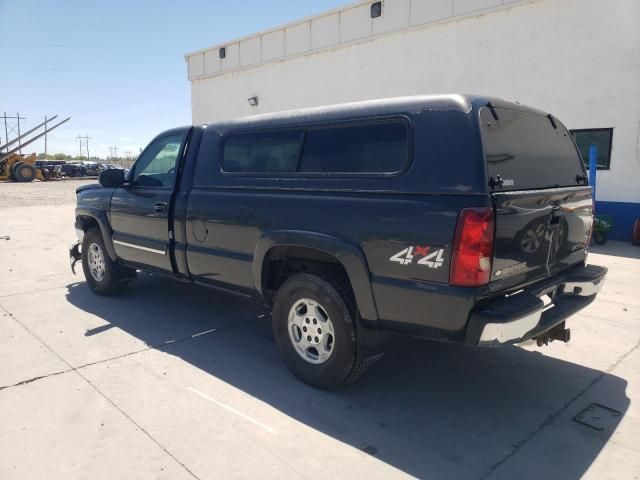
232, 410
203, 333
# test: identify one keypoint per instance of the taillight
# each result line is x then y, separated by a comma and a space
472, 248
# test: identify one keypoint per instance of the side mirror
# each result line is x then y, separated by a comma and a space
112, 178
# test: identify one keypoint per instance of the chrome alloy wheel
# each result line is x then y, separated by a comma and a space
311, 331
533, 238
96, 262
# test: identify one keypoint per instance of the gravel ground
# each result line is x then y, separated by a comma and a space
56, 192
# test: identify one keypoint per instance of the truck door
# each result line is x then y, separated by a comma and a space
140, 209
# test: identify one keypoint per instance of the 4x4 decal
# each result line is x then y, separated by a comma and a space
422, 255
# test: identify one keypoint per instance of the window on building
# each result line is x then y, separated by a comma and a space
601, 138
380, 147
260, 152
376, 9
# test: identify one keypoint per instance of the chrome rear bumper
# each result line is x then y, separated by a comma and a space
524, 315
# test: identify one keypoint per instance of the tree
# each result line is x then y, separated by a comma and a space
59, 156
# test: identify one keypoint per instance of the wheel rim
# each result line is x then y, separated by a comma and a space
311, 331
96, 262
533, 239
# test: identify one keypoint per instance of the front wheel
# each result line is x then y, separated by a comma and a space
102, 274
314, 327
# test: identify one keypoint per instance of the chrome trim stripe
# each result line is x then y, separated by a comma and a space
139, 247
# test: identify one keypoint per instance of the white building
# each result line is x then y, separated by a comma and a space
578, 59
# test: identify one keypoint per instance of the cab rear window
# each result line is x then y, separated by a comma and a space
526, 150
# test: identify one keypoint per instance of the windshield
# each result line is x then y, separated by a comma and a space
527, 152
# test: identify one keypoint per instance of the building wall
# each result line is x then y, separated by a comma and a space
578, 59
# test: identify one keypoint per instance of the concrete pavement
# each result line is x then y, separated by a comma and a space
174, 381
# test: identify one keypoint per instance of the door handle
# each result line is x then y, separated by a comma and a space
160, 207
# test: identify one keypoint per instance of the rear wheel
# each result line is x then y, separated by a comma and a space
24, 172
12, 171
103, 275
314, 324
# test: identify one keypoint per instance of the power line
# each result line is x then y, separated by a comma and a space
84, 70
65, 45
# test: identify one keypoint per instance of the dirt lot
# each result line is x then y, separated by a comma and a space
174, 381
55, 192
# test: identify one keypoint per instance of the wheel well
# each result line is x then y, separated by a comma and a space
283, 261
85, 223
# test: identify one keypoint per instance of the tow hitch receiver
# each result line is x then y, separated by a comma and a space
556, 333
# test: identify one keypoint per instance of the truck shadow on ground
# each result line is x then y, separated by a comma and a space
616, 249
430, 410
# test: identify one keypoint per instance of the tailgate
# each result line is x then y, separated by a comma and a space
541, 232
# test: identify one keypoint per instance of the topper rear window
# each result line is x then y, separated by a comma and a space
526, 150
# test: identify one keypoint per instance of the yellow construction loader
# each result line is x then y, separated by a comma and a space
22, 168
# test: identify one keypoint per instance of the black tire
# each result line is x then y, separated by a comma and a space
24, 172
346, 362
112, 280
635, 235
600, 238
12, 171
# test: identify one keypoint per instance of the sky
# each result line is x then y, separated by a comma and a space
117, 67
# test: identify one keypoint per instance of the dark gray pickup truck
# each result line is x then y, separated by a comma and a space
454, 218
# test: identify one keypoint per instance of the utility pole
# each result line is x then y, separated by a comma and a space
84, 142
45, 137
6, 134
19, 142
12, 127
127, 156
